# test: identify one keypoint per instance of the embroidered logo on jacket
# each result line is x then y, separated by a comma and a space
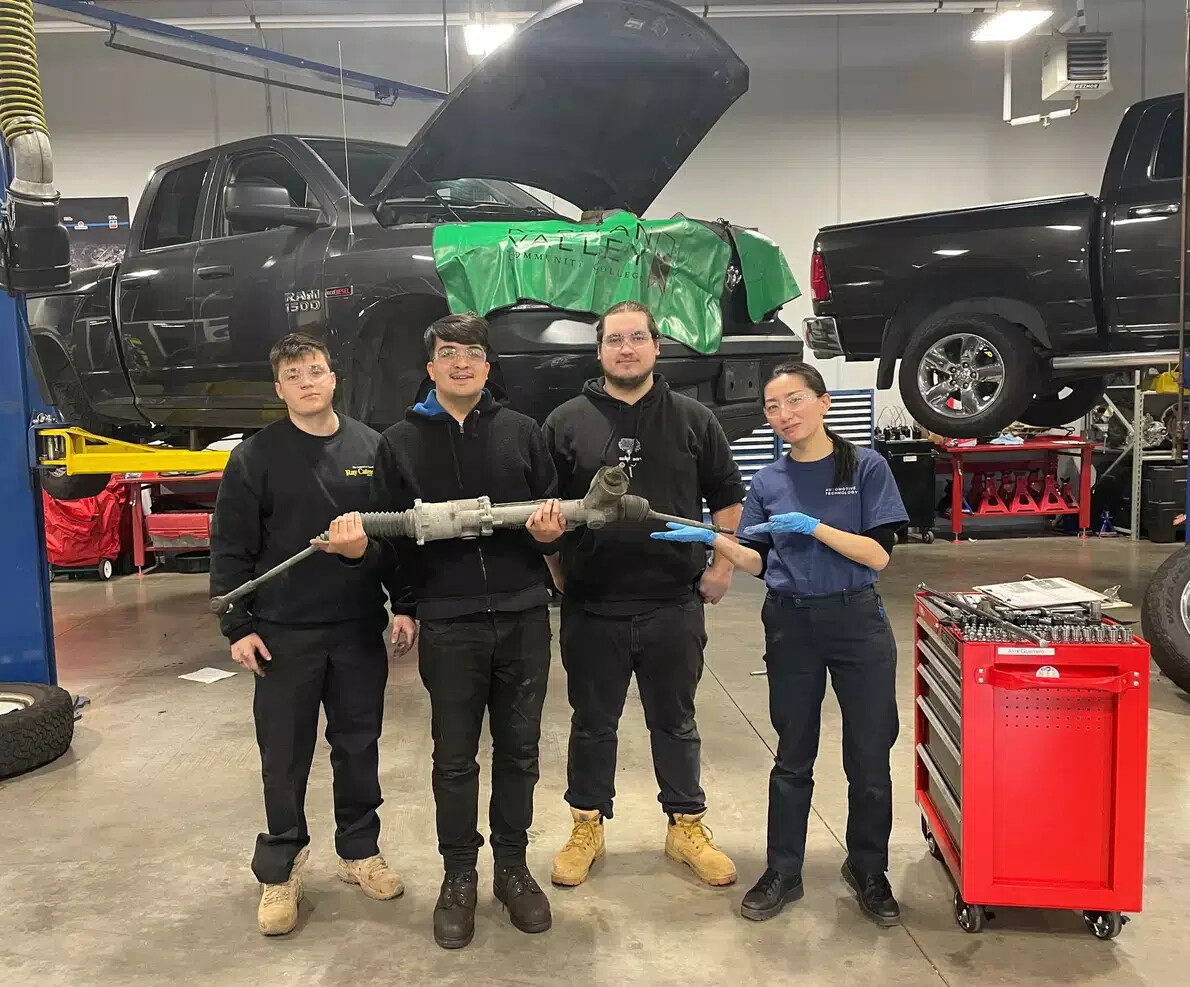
629, 449
358, 471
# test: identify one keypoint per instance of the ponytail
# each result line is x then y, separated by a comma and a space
846, 459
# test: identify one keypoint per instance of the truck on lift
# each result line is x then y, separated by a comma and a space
1021, 311
1014, 312
234, 246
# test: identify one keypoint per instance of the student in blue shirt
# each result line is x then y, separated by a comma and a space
818, 525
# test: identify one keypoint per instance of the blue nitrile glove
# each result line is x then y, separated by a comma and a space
793, 523
684, 533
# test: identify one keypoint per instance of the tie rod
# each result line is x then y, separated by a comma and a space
607, 502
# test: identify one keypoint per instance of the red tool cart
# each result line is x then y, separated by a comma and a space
1017, 480
1030, 768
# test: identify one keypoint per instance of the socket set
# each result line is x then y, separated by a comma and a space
1054, 629
1007, 625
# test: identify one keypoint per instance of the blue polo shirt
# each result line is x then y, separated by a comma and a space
800, 565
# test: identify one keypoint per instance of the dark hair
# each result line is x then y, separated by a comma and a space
464, 328
846, 458
628, 306
293, 347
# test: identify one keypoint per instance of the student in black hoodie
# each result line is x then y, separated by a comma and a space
312, 636
483, 611
635, 605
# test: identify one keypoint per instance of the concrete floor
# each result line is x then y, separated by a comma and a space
126, 861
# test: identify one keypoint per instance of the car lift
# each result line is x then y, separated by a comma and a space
35, 258
80, 452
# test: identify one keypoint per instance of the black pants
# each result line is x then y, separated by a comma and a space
343, 667
851, 638
664, 647
499, 662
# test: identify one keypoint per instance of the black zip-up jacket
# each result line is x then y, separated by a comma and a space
280, 488
677, 456
495, 452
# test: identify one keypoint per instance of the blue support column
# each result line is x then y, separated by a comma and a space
26, 622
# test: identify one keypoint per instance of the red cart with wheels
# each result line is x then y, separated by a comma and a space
1030, 771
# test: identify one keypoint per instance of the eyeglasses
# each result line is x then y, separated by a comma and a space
315, 372
448, 353
791, 402
615, 341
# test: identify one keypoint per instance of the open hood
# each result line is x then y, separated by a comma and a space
596, 101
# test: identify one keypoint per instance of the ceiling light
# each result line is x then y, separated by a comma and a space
1008, 25
483, 39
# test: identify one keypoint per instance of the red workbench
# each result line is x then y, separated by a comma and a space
1030, 771
179, 531
986, 460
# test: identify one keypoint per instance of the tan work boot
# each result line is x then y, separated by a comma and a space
585, 846
689, 842
277, 914
375, 878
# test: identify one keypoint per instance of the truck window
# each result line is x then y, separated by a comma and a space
1168, 162
174, 211
264, 168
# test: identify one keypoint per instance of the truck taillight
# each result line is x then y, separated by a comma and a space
820, 286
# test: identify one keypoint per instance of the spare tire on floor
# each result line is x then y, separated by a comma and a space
36, 726
1166, 617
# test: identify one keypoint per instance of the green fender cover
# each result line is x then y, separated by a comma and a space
675, 266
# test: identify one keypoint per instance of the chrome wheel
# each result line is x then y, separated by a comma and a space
960, 375
1184, 608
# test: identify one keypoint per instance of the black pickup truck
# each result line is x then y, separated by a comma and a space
1014, 312
596, 102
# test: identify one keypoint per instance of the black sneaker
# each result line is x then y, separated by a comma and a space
874, 894
454, 913
770, 894
527, 905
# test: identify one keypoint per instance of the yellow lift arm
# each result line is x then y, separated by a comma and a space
81, 453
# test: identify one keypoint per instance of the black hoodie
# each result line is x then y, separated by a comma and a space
495, 452
677, 456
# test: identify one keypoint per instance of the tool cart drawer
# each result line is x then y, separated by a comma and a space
946, 674
942, 798
939, 655
944, 645
941, 704
943, 748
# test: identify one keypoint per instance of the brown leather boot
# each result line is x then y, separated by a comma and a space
585, 846
375, 878
689, 842
277, 913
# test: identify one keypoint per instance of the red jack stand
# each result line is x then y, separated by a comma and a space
1022, 500
1051, 499
990, 501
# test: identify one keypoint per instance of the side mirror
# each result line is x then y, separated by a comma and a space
268, 205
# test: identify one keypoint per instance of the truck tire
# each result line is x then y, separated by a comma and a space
36, 726
1055, 409
1165, 617
62, 487
968, 375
